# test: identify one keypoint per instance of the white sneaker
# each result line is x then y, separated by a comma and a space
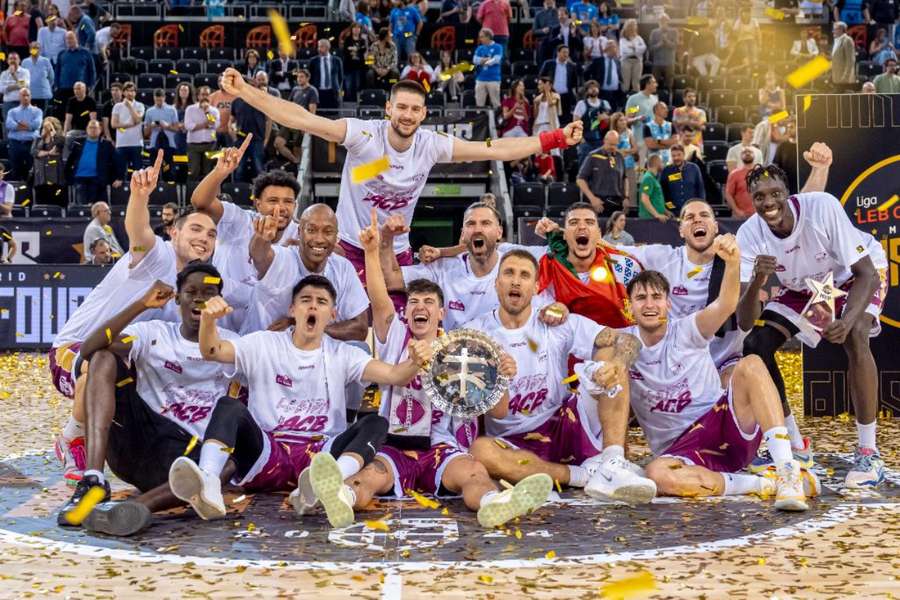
328, 487
303, 499
812, 487
526, 496
202, 490
616, 480
789, 494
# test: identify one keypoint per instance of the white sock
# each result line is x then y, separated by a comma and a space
95, 473
487, 497
792, 430
740, 484
72, 430
779, 444
866, 435
348, 465
612, 452
578, 476
213, 457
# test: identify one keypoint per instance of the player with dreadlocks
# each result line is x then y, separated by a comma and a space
806, 239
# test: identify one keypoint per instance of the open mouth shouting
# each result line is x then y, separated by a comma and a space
420, 318
311, 321
478, 242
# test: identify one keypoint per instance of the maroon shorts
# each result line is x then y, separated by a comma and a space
715, 440
570, 436
64, 361
419, 470
282, 459
358, 258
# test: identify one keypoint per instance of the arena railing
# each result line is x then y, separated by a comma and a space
304, 174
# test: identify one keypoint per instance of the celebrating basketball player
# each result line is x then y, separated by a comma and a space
548, 429
410, 153
700, 434
144, 419
297, 408
808, 242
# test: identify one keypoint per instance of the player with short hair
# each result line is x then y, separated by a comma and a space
409, 150
427, 450
548, 429
145, 420
808, 237
296, 415
702, 435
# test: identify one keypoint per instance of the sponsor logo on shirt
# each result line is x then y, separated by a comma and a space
284, 380
633, 374
173, 366
456, 305
860, 249
820, 256
794, 249
679, 290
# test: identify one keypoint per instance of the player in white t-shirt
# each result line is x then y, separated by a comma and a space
548, 429
296, 410
280, 268
274, 194
148, 260
427, 450
164, 396
410, 151
700, 434
809, 237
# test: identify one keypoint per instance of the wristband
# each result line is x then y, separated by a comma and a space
585, 372
550, 140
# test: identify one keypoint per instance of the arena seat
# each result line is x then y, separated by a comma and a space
163, 66
166, 36
718, 171
47, 211
731, 114
240, 192
189, 65
147, 53
715, 150
218, 65
529, 194
150, 80
172, 53
372, 97
527, 210
733, 131
720, 97
208, 79
714, 131
562, 193
221, 53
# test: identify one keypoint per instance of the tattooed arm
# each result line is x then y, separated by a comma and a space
612, 345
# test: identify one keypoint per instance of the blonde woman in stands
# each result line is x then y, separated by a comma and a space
631, 53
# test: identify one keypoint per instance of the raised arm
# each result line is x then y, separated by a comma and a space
261, 252
356, 328
108, 334
383, 312
281, 111
205, 198
749, 307
402, 373
137, 214
711, 318
819, 158
393, 274
507, 149
212, 347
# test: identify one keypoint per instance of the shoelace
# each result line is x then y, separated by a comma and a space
864, 461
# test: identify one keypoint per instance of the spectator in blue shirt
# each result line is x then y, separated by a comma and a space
23, 126
584, 12
84, 28
73, 64
406, 23
52, 39
89, 167
42, 77
487, 59
681, 181
160, 124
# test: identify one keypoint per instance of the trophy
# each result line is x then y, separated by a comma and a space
464, 379
819, 311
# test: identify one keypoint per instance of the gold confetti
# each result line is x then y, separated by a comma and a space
534, 435
445, 511
377, 525
422, 500
180, 158
212, 280
84, 507
532, 345
518, 533
282, 34
485, 579
778, 117
774, 13
500, 443
761, 561
694, 272
26, 201
369, 170
427, 86
809, 72
807, 102
570, 379
138, 249
227, 450
129, 339
191, 445
523, 461
550, 555
891, 202
488, 142
124, 382
759, 323
630, 587
558, 487
108, 335
85, 113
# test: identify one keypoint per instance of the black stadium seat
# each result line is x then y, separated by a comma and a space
47, 211
373, 97
151, 80
561, 193
163, 66
172, 81
143, 52
240, 192
715, 150
527, 210
721, 97
217, 65
194, 52
718, 171
226, 53
714, 131
189, 65
529, 193
145, 96
733, 131
168, 53
208, 79
732, 114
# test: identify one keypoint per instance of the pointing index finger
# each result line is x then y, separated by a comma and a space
245, 144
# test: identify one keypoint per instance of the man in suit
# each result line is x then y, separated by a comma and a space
565, 33
327, 74
88, 166
564, 75
843, 59
607, 71
281, 71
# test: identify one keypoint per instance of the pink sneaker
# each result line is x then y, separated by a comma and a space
72, 456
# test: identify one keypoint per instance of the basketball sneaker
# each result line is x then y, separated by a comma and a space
616, 479
118, 518
812, 487
524, 497
789, 492
329, 488
867, 469
202, 490
72, 456
81, 488
303, 498
763, 462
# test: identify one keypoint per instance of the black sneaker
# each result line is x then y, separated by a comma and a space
118, 518
81, 489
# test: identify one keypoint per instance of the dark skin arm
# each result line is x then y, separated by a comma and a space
865, 282
749, 307
261, 253
351, 329
108, 335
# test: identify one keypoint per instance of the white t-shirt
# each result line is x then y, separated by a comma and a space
272, 295
173, 379
537, 390
673, 383
130, 132
293, 390
444, 428
393, 191
235, 229
103, 37
823, 241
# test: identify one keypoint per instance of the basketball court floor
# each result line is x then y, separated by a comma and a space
846, 546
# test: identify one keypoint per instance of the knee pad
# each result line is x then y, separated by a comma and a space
763, 342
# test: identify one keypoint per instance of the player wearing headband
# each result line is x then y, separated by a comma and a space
807, 237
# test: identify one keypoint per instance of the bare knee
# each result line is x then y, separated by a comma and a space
857, 341
749, 368
485, 450
103, 362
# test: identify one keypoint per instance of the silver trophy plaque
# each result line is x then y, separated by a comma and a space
464, 379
